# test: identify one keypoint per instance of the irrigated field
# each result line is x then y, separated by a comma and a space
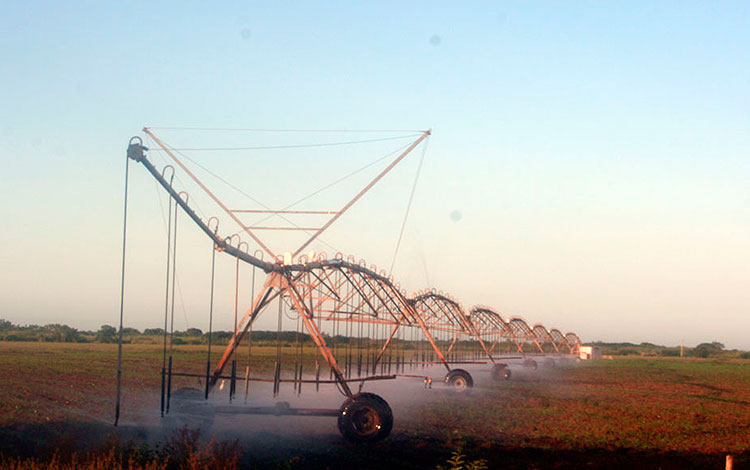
652, 413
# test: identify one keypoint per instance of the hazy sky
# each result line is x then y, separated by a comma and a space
594, 155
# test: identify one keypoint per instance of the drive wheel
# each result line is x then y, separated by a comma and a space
365, 418
500, 372
459, 379
549, 362
530, 364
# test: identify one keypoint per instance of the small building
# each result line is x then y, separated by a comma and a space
589, 352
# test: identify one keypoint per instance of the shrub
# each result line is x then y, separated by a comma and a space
627, 352
701, 351
183, 450
457, 461
13, 337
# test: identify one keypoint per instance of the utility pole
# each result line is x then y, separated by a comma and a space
682, 347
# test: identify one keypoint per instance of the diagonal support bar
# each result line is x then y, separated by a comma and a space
372, 183
209, 193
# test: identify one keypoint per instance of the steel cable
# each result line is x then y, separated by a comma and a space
408, 205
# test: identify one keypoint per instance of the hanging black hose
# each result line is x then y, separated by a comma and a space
249, 341
171, 308
367, 351
247, 382
210, 318
317, 376
319, 318
359, 349
277, 372
233, 380
166, 305
298, 358
134, 151
236, 293
169, 383
334, 341
276, 379
359, 364
299, 386
416, 338
383, 359
349, 347
174, 279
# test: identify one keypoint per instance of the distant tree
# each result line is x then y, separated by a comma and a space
217, 335
745, 355
106, 334
59, 333
701, 351
153, 331
5, 325
68, 334
193, 332
130, 331
708, 349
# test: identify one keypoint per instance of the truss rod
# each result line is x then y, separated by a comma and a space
260, 211
209, 193
364, 190
306, 229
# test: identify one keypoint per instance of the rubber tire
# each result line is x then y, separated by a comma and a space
365, 417
530, 364
459, 380
500, 372
188, 409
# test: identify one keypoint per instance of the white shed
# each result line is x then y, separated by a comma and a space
589, 352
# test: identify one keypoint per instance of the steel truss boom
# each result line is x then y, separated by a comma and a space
341, 290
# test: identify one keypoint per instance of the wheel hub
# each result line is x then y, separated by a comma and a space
459, 383
366, 421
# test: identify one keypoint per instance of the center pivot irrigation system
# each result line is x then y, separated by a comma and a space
344, 323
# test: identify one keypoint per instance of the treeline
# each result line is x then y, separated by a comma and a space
108, 334
712, 349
